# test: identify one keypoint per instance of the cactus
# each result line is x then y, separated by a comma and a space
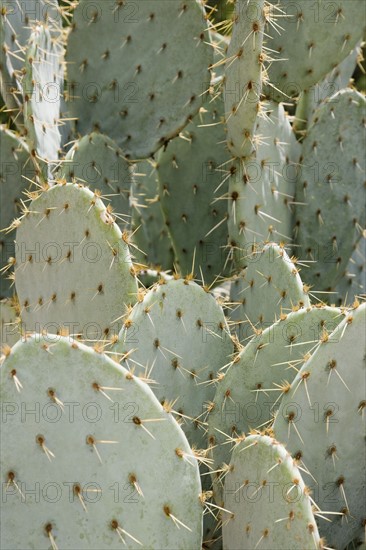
262, 189
320, 421
243, 85
269, 503
353, 283
17, 21
65, 228
150, 235
41, 85
133, 42
190, 172
328, 190
178, 333
167, 197
299, 33
270, 285
95, 160
16, 174
249, 394
121, 466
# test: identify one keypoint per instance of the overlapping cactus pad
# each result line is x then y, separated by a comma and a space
111, 78
268, 501
182, 278
108, 466
68, 235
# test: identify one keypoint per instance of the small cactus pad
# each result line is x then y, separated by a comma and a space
243, 72
329, 190
298, 34
96, 160
321, 422
111, 466
268, 499
270, 285
16, 173
153, 246
68, 235
178, 335
262, 189
193, 178
135, 102
251, 391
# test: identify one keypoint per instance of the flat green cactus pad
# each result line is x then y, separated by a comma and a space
98, 463
16, 174
268, 500
178, 335
152, 62
249, 394
97, 161
271, 284
42, 87
321, 422
298, 35
243, 76
329, 190
68, 235
193, 180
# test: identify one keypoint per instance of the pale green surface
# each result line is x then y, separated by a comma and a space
256, 489
331, 194
193, 175
269, 285
16, 171
261, 191
152, 62
164, 478
327, 429
243, 73
250, 393
97, 161
42, 86
179, 335
308, 40
150, 233
91, 286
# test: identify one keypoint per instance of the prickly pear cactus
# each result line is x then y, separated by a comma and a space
16, 175
243, 85
17, 20
95, 160
329, 190
42, 84
134, 42
297, 33
270, 285
192, 175
110, 465
249, 394
68, 235
152, 244
320, 421
269, 504
178, 336
352, 286
262, 189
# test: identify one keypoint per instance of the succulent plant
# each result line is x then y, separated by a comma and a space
183, 243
